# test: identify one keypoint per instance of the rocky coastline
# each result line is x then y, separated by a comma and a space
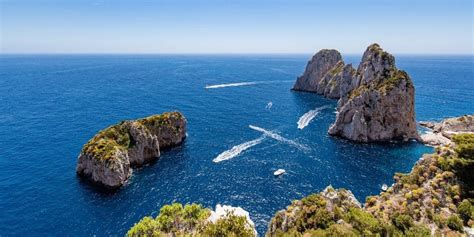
434, 199
108, 158
376, 103
442, 132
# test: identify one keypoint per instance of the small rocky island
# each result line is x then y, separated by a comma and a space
108, 158
376, 101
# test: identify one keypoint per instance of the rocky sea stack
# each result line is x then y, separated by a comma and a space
108, 158
376, 101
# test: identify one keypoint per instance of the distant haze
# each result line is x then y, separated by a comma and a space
245, 26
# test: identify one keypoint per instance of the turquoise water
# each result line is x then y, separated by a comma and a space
52, 104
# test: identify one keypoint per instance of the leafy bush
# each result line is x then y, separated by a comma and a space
362, 220
231, 226
466, 210
174, 218
418, 231
464, 145
454, 223
403, 222
146, 227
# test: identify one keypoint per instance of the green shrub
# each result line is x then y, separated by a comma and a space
174, 218
362, 221
232, 226
341, 230
403, 222
464, 145
146, 227
418, 231
466, 210
454, 223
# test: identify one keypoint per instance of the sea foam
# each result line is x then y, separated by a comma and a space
306, 118
249, 83
279, 138
236, 150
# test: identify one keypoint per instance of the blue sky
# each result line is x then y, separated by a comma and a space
245, 26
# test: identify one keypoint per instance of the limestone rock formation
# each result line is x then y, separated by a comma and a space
380, 107
443, 131
108, 158
376, 100
326, 207
320, 65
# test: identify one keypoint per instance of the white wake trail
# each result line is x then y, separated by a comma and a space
236, 150
308, 116
269, 105
279, 138
231, 85
249, 83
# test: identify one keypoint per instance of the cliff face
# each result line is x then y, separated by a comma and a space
324, 64
107, 159
376, 100
380, 107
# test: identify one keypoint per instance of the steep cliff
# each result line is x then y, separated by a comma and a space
380, 107
325, 63
107, 159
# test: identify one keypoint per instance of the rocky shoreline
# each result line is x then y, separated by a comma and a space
434, 199
442, 132
108, 158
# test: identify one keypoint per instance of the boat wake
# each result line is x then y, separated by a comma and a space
279, 138
236, 150
269, 105
308, 116
250, 83
231, 85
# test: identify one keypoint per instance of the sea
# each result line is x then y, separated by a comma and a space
244, 123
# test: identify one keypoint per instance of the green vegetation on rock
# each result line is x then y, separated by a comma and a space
115, 138
190, 220
231, 225
436, 195
105, 143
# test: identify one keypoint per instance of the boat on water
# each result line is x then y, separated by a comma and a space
384, 187
279, 172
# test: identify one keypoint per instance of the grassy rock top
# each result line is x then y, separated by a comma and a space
105, 143
118, 138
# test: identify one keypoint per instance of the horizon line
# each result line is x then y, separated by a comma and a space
220, 53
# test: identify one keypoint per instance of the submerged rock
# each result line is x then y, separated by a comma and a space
107, 159
381, 105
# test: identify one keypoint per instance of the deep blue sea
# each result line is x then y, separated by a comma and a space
50, 105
